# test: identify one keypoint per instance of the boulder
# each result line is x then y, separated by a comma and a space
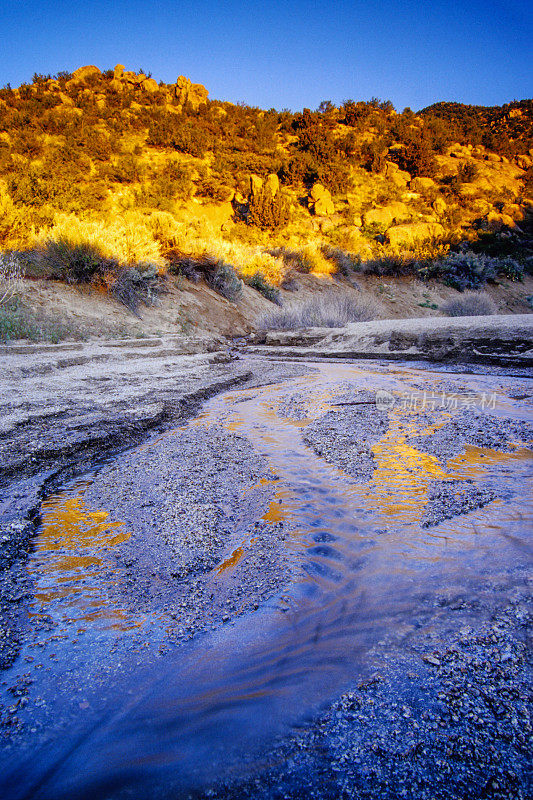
256, 185
385, 216
118, 72
395, 175
81, 74
65, 99
324, 207
151, 86
193, 93
272, 184
422, 185
498, 222
514, 210
130, 77
413, 234
320, 201
318, 191
198, 95
117, 85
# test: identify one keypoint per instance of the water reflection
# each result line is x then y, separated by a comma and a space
371, 572
69, 561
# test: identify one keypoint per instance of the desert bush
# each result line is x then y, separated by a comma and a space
268, 211
10, 277
293, 259
127, 238
325, 312
460, 270
64, 260
225, 281
468, 270
470, 304
19, 322
136, 286
390, 266
346, 263
219, 275
258, 282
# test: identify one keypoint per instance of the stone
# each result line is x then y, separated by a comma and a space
439, 206
422, 185
514, 210
117, 85
81, 74
150, 85
118, 72
385, 216
395, 175
272, 184
256, 185
130, 77
65, 99
318, 191
413, 233
324, 207
320, 201
524, 162
188, 92
498, 222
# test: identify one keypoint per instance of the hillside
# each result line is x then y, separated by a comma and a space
115, 180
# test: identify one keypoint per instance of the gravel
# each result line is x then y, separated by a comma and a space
449, 499
454, 722
345, 438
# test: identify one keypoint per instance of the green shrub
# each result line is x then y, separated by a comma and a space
468, 270
258, 282
293, 259
225, 281
19, 322
217, 274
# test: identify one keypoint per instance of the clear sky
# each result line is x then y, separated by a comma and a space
285, 54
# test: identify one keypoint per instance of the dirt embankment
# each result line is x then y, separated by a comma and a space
194, 309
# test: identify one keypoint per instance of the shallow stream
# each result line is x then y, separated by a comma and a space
158, 720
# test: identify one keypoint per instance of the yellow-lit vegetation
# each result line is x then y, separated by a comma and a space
150, 177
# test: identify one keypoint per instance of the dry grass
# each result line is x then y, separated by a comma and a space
325, 312
470, 304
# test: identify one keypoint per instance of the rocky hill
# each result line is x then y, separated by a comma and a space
148, 173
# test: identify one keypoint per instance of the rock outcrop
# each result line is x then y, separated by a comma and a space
386, 215
320, 202
187, 92
410, 235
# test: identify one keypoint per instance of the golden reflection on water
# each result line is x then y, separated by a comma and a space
232, 560
402, 474
65, 562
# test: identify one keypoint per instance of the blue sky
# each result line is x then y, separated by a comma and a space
286, 54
